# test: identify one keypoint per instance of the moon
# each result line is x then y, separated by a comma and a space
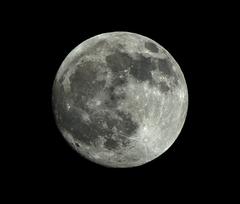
120, 99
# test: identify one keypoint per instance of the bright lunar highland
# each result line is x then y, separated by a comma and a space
120, 99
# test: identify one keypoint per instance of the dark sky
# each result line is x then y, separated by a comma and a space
43, 36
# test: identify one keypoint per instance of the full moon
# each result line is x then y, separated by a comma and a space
120, 99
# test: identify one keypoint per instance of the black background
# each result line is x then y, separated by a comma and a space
39, 156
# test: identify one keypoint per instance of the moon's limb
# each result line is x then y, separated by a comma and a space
120, 99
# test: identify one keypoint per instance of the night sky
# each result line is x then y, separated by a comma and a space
38, 155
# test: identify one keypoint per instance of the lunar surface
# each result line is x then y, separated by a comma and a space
120, 99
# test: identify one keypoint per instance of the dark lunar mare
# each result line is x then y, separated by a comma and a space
118, 131
165, 67
151, 46
112, 100
89, 132
119, 61
140, 68
164, 87
84, 86
71, 119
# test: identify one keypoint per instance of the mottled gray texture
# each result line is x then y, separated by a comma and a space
120, 99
